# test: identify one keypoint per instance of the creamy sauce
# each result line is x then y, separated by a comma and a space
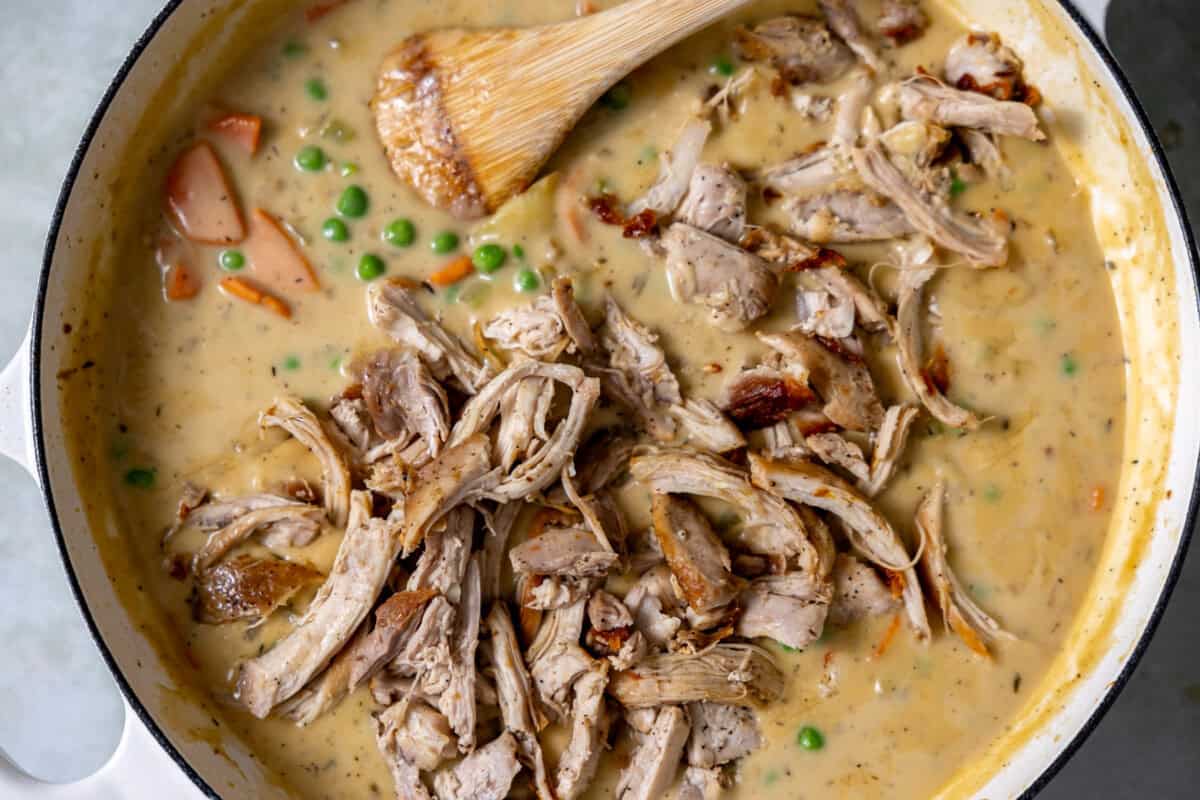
1035, 347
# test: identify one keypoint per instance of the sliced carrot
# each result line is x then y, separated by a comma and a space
199, 199
180, 283
315, 12
275, 258
888, 636
452, 271
968, 635
243, 130
273, 303
1096, 500
244, 290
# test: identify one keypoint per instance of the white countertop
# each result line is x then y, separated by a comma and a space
58, 57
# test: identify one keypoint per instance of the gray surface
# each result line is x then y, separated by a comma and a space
1148, 745
58, 55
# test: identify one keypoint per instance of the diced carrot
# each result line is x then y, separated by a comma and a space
1096, 500
315, 12
275, 258
452, 271
243, 130
244, 290
180, 283
895, 582
888, 636
199, 199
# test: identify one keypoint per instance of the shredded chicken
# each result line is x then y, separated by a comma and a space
292, 416
902, 21
249, 589
486, 774
840, 378
737, 287
930, 101
536, 330
846, 216
959, 611
979, 62
842, 16
858, 592
392, 307
715, 202
675, 170
517, 705
721, 733
740, 674
929, 214
655, 761
697, 557
345, 599
301, 521
564, 551
589, 732
908, 353
770, 526
889, 446
801, 48
872, 535
402, 396
702, 425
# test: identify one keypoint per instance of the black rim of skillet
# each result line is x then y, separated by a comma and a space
143, 714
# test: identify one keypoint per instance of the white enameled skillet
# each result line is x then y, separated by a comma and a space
1103, 133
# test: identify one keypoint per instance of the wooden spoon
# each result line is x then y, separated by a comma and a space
468, 117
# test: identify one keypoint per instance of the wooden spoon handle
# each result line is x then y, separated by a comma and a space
630, 34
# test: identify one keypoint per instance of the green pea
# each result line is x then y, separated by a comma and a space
335, 230
400, 232
445, 242
488, 258
291, 363
519, 252
1069, 365
722, 65
353, 202
315, 89
526, 280
231, 260
618, 97
141, 477
810, 738
370, 267
957, 186
294, 49
310, 158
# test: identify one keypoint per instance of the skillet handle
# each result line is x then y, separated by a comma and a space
1094, 11
139, 768
16, 412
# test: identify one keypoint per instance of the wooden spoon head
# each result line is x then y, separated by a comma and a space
417, 134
